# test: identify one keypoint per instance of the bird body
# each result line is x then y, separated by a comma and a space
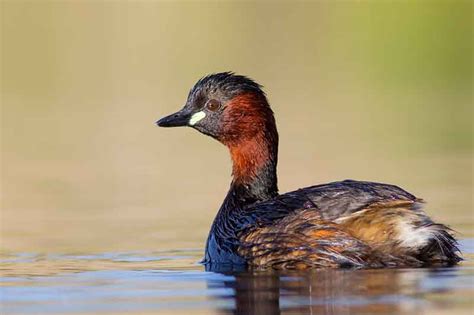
341, 224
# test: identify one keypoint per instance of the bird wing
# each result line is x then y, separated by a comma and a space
332, 201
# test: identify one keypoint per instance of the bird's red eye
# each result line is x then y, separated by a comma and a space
213, 105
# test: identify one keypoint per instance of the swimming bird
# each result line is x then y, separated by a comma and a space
355, 224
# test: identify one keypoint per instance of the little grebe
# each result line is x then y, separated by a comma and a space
341, 224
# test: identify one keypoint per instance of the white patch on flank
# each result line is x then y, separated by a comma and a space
413, 237
197, 117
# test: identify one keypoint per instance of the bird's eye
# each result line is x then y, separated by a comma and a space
213, 105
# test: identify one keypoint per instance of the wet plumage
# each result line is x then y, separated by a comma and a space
341, 224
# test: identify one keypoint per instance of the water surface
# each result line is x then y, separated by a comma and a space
174, 281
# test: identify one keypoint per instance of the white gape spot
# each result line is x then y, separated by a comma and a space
196, 117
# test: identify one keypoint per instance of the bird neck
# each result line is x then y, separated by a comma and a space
254, 171
252, 139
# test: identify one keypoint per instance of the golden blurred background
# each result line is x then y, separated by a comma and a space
369, 90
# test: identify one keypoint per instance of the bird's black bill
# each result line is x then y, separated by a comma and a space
177, 119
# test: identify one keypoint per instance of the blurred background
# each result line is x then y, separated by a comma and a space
368, 90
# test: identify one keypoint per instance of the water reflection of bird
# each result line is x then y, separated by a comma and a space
341, 224
322, 291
